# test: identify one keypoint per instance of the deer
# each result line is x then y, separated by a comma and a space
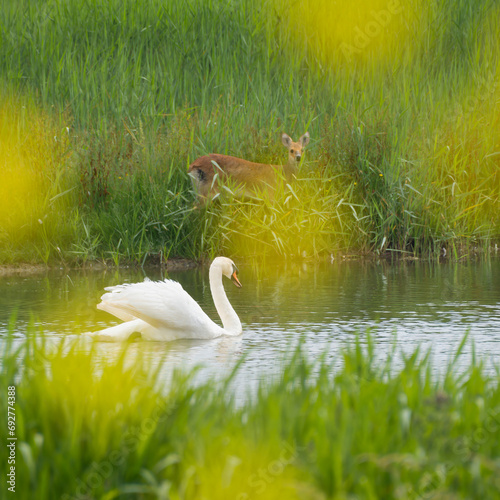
208, 173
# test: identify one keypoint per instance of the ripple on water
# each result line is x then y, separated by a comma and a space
424, 305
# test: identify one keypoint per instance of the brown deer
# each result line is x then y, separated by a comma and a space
210, 172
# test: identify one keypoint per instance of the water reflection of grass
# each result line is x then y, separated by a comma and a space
364, 430
400, 98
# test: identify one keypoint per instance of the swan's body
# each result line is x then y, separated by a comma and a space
163, 310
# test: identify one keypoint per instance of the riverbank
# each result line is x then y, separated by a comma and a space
179, 264
29, 269
97, 131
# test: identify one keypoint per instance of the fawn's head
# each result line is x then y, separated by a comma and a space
295, 148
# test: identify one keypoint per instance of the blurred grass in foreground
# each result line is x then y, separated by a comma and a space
401, 98
373, 427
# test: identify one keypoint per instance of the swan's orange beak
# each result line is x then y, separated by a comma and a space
235, 280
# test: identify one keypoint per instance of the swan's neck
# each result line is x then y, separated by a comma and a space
228, 316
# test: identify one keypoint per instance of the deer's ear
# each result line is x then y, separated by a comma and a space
286, 140
304, 140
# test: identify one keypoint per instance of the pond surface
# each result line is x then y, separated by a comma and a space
413, 303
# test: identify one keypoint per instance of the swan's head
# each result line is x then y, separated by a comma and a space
228, 268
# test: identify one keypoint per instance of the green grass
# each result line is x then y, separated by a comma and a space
371, 426
400, 98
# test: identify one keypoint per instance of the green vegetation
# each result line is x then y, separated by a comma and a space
367, 427
401, 98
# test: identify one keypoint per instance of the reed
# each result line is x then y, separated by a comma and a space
400, 98
366, 423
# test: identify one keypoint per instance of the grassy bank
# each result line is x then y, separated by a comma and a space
401, 99
366, 429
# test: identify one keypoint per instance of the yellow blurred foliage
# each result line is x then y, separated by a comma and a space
31, 151
237, 469
367, 30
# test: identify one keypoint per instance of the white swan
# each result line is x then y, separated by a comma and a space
163, 310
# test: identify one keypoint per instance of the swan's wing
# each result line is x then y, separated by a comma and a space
107, 305
162, 304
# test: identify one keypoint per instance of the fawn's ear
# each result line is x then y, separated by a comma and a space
286, 140
304, 140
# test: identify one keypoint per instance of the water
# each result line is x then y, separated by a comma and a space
327, 304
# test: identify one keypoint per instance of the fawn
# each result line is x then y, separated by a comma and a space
209, 172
